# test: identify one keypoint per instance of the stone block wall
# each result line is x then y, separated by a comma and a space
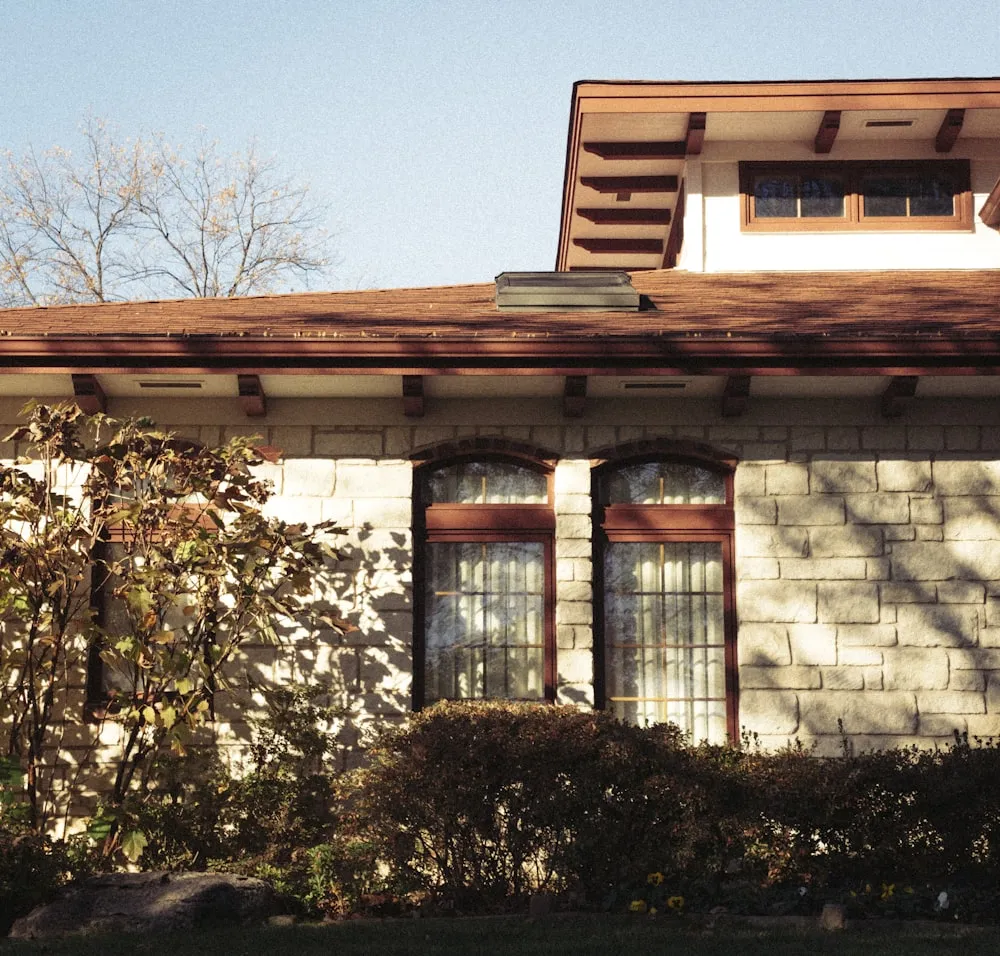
867, 558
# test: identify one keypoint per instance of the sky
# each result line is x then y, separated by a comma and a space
434, 132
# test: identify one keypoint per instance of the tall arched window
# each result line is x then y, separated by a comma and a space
484, 580
665, 562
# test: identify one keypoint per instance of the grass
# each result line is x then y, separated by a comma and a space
572, 935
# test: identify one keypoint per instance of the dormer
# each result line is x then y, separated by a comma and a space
825, 175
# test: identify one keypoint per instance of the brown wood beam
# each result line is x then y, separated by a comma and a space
89, 395
736, 396
652, 246
252, 396
829, 126
675, 239
631, 184
990, 213
575, 396
897, 393
636, 150
634, 267
413, 396
695, 137
951, 126
626, 217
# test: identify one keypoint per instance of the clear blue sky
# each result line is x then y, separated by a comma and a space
435, 130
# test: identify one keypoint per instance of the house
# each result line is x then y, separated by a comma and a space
735, 464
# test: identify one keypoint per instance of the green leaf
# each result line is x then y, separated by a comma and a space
149, 715
133, 843
169, 716
99, 826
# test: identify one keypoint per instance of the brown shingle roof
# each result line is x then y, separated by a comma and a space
675, 304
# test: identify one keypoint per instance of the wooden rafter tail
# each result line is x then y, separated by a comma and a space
695, 137
948, 132
606, 246
829, 126
626, 217
631, 184
89, 395
252, 396
736, 396
575, 396
898, 392
637, 150
413, 396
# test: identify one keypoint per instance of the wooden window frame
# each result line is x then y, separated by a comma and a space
668, 523
483, 523
853, 173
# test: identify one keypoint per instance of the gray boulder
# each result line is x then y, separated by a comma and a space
149, 902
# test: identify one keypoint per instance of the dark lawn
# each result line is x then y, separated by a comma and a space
572, 935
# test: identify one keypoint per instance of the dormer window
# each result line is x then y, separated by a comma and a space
861, 196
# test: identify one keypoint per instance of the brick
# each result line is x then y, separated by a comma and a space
971, 519
574, 612
573, 504
583, 569
292, 439
763, 645
878, 569
348, 444
574, 591
769, 711
974, 659
813, 644
929, 533
848, 602
879, 508
982, 726
989, 636
961, 592
749, 479
931, 561
967, 680
573, 526
564, 569
937, 625
951, 702
859, 656
967, 477
774, 433
867, 712
843, 678
808, 439
823, 569
926, 510
573, 548
356, 480
941, 725
565, 636
776, 602
758, 569
783, 678
872, 678
866, 635
896, 532
381, 513
572, 477
576, 695
898, 474
843, 439
787, 478
911, 668
925, 438
810, 510
887, 438
575, 667
838, 475
308, 477
962, 437
759, 542
753, 510
845, 542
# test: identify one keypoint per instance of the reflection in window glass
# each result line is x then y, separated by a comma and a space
664, 635
790, 196
485, 627
486, 482
908, 195
664, 483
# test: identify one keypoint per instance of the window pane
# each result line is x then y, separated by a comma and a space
908, 195
485, 620
774, 196
664, 483
821, 196
665, 636
932, 197
486, 482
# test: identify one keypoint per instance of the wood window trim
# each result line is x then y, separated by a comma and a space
669, 523
440, 522
854, 220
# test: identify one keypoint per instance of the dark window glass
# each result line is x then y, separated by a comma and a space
486, 482
774, 197
664, 483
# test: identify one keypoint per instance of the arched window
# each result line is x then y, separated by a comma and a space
484, 584
667, 629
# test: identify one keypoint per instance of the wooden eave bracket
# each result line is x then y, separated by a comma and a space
637, 150
252, 396
630, 184
694, 139
829, 126
575, 396
626, 217
413, 396
898, 392
951, 126
990, 213
613, 246
89, 395
736, 396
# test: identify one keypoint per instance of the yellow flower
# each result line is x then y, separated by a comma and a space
887, 890
676, 903
654, 879
652, 911
637, 906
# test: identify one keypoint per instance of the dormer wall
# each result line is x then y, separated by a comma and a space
716, 240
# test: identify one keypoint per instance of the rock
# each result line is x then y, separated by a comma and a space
833, 917
149, 902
